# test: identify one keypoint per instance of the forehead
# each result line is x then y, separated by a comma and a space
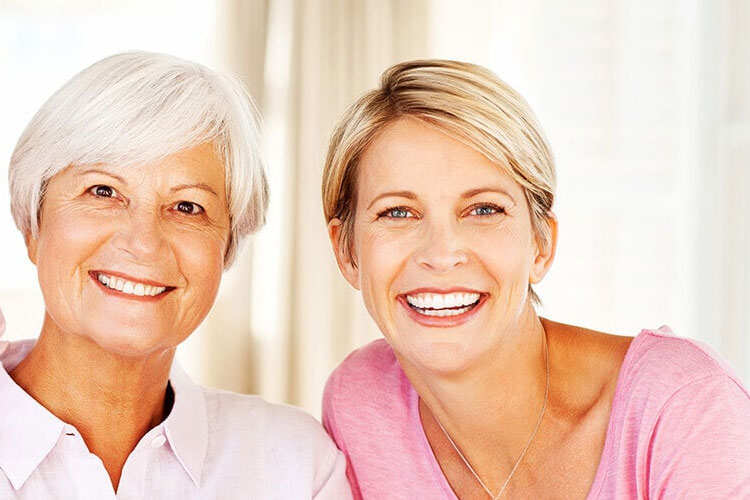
410, 154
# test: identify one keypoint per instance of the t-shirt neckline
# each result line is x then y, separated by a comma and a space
604, 461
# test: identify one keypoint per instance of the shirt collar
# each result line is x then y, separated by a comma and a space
186, 427
28, 431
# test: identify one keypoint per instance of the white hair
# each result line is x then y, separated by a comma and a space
138, 108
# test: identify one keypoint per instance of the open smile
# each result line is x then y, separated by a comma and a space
128, 287
442, 308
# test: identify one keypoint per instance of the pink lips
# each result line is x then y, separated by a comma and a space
441, 321
127, 277
137, 298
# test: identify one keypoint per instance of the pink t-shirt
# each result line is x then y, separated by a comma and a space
679, 427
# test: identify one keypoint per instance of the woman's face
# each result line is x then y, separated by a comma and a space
443, 247
132, 257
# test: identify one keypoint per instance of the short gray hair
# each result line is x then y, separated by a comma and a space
138, 108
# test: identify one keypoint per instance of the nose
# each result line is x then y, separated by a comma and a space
443, 248
140, 236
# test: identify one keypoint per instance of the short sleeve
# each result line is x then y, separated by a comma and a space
700, 442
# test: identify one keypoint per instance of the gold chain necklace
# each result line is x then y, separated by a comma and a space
528, 445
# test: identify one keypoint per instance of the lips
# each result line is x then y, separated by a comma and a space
129, 287
442, 308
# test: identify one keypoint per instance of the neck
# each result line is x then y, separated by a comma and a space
97, 392
491, 409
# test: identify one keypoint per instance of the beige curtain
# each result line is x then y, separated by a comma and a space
340, 49
223, 352
284, 317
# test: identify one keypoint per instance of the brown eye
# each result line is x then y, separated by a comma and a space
102, 191
189, 208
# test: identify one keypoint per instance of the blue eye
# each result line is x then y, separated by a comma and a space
485, 210
396, 213
102, 191
189, 208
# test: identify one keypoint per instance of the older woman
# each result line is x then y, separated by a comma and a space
133, 186
438, 189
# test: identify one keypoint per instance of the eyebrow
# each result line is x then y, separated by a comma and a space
104, 172
465, 195
197, 185
395, 194
473, 192
180, 187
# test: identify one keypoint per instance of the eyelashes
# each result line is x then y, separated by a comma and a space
102, 191
486, 209
396, 213
481, 210
189, 208
183, 207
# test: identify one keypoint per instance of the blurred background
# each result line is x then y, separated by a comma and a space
646, 104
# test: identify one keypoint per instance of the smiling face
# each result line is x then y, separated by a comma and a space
132, 257
443, 248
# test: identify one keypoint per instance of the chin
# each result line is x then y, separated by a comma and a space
129, 341
439, 358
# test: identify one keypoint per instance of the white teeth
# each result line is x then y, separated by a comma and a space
129, 287
437, 302
448, 302
451, 300
443, 312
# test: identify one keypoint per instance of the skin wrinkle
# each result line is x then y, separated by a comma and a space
125, 345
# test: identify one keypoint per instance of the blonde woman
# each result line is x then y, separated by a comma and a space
438, 191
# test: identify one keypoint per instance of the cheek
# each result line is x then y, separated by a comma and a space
507, 253
200, 258
381, 257
65, 241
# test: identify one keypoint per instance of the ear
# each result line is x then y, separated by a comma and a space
343, 256
545, 252
31, 247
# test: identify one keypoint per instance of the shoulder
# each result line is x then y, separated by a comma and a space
367, 398
669, 383
370, 375
281, 443
661, 363
684, 413
274, 423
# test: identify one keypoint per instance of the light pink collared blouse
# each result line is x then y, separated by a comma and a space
213, 444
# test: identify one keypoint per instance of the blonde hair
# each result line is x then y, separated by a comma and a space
138, 108
465, 101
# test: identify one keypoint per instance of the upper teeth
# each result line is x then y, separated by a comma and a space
129, 287
442, 300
